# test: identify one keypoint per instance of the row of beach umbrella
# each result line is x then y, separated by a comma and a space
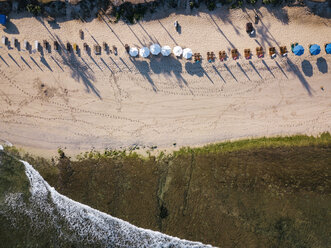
313, 49
156, 49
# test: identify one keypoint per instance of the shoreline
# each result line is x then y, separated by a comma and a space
80, 102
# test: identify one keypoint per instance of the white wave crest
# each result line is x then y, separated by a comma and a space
91, 224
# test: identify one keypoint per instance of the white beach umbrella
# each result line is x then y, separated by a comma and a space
155, 49
177, 51
144, 52
166, 50
133, 51
187, 53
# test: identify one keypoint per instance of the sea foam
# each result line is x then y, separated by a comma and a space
90, 224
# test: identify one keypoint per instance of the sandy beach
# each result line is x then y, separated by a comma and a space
51, 100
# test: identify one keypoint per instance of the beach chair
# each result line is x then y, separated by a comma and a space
234, 53
56, 45
272, 52
75, 47
212, 56
283, 51
97, 50
85, 46
247, 53
208, 57
293, 45
259, 52
115, 50
26, 44
222, 55
81, 34
68, 47
127, 48
104, 46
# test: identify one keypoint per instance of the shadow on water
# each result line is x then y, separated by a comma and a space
307, 68
301, 77
322, 65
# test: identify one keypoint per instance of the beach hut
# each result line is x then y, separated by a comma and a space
298, 50
328, 48
36, 45
133, 51
155, 49
314, 49
177, 51
144, 52
187, 53
166, 50
3, 19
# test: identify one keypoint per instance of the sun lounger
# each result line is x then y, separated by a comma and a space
272, 52
127, 48
212, 56
97, 49
75, 47
68, 47
283, 51
81, 34
104, 46
26, 44
56, 45
247, 53
36, 45
234, 53
4, 40
222, 55
85, 46
115, 50
45, 44
259, 52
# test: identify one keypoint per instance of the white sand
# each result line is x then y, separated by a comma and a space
118, 101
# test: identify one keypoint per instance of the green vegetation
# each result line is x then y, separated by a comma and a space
33, 9
268, 192
12, 177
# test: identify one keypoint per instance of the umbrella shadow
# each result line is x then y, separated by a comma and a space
197, 69
144, 70
301, 77
307, 68
322, 65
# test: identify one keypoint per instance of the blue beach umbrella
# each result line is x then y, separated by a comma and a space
328, 48
314, 49
298, 50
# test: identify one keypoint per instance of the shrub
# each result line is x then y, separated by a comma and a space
33, 9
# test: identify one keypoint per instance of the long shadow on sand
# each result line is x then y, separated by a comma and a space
301, 77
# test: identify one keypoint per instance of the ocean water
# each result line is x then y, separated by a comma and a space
92, 225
